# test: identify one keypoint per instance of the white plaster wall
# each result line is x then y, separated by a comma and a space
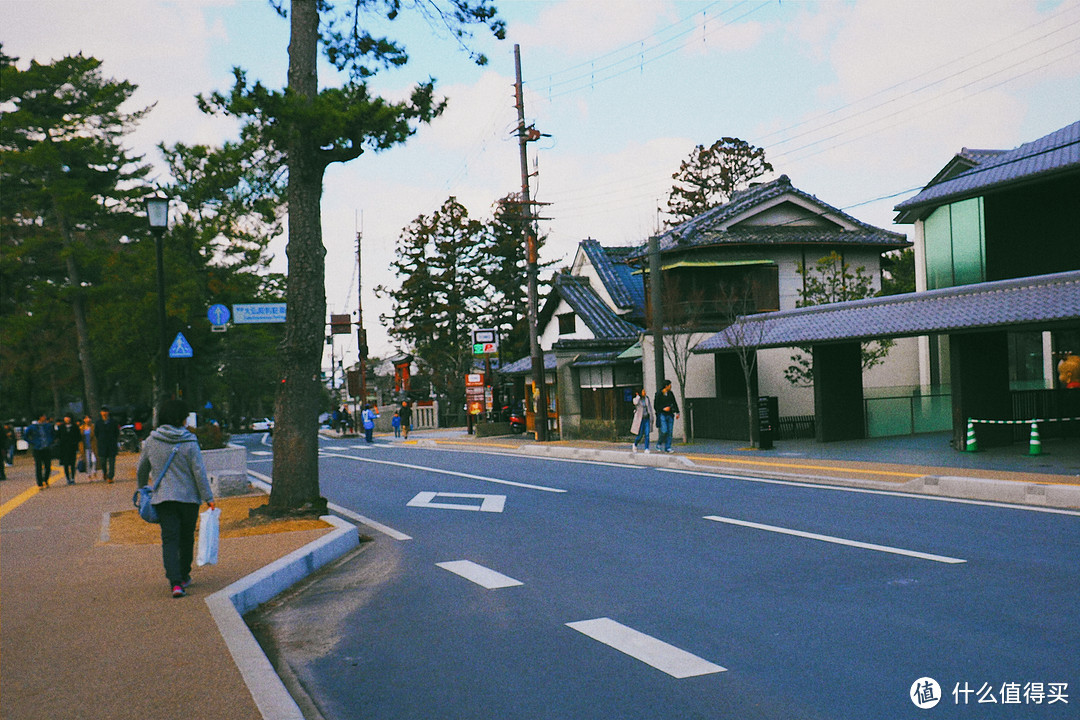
550, 334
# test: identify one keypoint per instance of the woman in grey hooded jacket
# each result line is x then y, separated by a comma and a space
183, 488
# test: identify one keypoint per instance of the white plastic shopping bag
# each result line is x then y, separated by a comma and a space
207, 552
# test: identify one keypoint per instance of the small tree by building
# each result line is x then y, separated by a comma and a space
831, 280
710, 175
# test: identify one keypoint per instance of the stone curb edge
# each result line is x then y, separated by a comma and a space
229, 605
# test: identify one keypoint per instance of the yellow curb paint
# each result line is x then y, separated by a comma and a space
797, 466
18, 500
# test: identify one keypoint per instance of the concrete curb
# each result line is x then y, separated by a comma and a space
1010, 492
229, 605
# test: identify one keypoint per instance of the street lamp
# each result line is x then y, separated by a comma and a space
157, 214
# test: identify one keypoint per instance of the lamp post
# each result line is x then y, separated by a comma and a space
157, 213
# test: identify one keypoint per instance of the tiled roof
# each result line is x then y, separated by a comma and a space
1057, 152
602, 320
710, 227
1035, 301
627, 290
524, 365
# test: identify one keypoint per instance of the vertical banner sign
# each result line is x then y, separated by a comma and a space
475, 393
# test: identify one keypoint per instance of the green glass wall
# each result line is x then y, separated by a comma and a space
955, 245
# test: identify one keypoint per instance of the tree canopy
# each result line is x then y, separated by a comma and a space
710, 175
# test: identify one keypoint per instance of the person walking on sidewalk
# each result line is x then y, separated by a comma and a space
89, 444
642, 424
172, 453
7, 438
67, 446
667, 409
107, 432
41, 437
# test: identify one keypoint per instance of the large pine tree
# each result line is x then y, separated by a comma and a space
315, 127
710, 175
70, 191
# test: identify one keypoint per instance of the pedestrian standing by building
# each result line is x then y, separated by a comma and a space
107, 432
406, 417
172, 453
68, 438
667, 409
86, 429
41, 436
642, 424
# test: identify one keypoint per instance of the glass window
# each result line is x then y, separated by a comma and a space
968, 247
937, 235
955, 245
567, 324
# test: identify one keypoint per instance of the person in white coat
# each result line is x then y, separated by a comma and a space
172, 453
642, 423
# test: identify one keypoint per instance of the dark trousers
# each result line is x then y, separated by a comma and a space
368, 433
43, 465
177, 538
107, 463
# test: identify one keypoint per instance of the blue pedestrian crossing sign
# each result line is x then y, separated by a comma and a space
180, 347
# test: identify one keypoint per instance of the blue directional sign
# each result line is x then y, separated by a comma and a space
180, 347
218, 314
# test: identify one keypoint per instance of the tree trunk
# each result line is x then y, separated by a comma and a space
296, 448
82, 329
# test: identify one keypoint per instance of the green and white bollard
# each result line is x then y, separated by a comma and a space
1035, 446
972, 444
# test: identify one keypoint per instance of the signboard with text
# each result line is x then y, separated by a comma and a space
485, 341
259, 313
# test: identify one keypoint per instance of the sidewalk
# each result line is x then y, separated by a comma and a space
89, 628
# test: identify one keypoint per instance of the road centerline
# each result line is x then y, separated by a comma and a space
837, 540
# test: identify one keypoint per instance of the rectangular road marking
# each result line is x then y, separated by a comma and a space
657, 653
488, 503
479, 574
837, 541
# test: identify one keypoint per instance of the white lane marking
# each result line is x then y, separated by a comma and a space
657, 653
838, 541
263, 482
868, 491
261, 452
365, 446
482, 576
482, 478
488, 503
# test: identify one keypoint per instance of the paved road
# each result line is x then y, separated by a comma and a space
550, 589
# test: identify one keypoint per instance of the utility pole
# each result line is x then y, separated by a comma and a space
657, 310
538, 374
361, 334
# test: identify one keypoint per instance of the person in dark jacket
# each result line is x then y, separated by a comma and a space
107, 432
667, 409
41, 436
68, 437
172, 453
406, 417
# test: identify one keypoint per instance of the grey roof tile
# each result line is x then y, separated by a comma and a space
1035, 301
601, 320
1057, 152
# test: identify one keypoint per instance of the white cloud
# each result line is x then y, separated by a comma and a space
589, 28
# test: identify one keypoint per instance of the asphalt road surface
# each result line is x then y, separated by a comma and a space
500, 586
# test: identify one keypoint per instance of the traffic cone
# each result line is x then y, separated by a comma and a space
972, 444
1035, 447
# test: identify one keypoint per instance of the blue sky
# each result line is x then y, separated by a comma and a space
855, 101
